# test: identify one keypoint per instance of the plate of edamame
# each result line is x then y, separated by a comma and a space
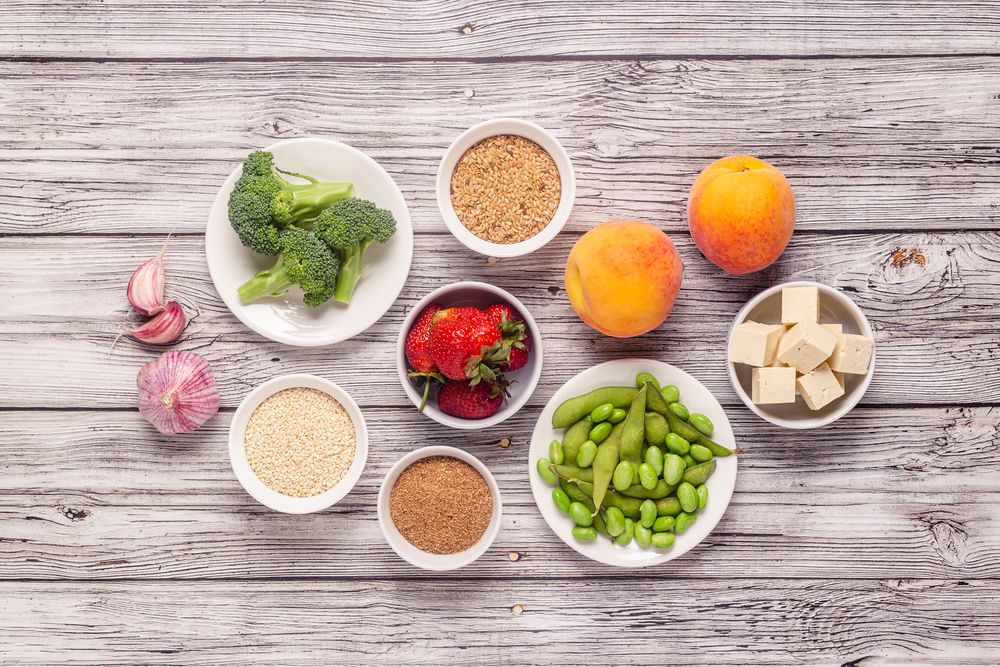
632, 462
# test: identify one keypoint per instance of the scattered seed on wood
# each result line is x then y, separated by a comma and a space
517, 610
514, 556
505, 189
469, 92
504, 443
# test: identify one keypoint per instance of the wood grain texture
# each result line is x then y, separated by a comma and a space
868, 144
524, 622
481, 29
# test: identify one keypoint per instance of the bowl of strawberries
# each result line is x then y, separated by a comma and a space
469, 355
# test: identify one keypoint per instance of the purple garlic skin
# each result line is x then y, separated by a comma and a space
165, 327
177, 392
145, 287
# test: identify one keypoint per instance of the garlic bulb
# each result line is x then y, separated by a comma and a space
177, 392
165, 326
145, 287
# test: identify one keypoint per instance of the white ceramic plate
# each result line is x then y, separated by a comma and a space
286, 319
720, 485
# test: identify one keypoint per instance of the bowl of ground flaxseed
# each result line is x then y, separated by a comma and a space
298, 443
439, 508
505, 187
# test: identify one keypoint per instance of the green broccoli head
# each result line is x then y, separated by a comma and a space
251, 216
304, 261
349, 227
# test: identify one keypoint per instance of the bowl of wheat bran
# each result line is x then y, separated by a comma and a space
505, 187
439, 508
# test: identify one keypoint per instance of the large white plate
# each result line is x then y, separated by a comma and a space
720, 485
287, 319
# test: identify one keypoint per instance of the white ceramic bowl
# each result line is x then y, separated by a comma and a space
424, 559
286, 319
264, 494
491, 128
523, 380
835, 307
720, 485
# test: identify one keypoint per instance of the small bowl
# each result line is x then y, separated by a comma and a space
491, 128
834, 306
479, 295
424, 559
264, 494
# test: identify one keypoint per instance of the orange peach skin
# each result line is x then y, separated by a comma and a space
622, 277
741, 213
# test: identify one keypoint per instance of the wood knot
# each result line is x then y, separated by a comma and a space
949, 539
900, 258
74, 513
467, 29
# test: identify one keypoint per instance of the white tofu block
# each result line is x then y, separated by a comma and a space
819, 387
836, 329
805, 346
755, 344
799, 304
840, 378
852, 354
772, 385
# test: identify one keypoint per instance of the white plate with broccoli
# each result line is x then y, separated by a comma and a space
309, 242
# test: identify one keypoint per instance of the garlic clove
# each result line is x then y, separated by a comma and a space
145, 287
165, 327
177, 392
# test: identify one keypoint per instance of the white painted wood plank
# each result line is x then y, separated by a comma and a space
868, 144
594, 621
438, 29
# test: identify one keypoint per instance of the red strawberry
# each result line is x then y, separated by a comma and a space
460, 399
465, 344
418, 341
514, 333
499, 312
518, 356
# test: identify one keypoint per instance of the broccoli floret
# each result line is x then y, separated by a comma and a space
263, 202
304, 261
349, 227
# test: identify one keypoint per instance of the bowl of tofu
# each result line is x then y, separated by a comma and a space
801, 354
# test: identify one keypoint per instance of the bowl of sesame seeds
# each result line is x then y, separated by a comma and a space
505, 187
298, 443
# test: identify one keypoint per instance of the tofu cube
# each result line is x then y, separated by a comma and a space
799, 304
852, 354
772, 385
836, 329
819, 387
805, 346
755, 344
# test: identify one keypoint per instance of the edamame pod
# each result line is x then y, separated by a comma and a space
615, 521
617, 416
702, 491
689, 460
660, 490
662, 540
601, 412
687, 496
585, 533
680, 410
655, 402
684, 521
575, 435
629, 506
700, 453
714, 447
546, 472
626, 535
673, 469
681, 427
561, 500
576, 494
668, 506
600, 432
634, 430
647, 513
677, 445
647, 477
643, 378
574, 473
556, 452
656, 428
585, 457
643, 536
580, 514
623, 476
600, 526
700, 473
605, 462
663, 524
701, 423
576, 408
670, 393
654, 458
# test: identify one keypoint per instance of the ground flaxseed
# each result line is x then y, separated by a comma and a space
441, 505
300, 442
505, 189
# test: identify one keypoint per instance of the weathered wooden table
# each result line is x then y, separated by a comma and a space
875, 541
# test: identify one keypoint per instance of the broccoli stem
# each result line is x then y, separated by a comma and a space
352, 266
269, 282
310, 199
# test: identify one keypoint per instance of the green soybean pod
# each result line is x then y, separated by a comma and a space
714, 447
687, 496
575, 436
600, 432
614, 520
673, 468
585, 533
677, 445
617, 416
576, 493
585, 457
682, 428
561, 500
574, 409
700, 453
669, 506
656, 428
654, 458
660, 490
580, 514
545, 471
634, 429
684, 521
623, 476
556, 452
600, 526
701, 422
575, 473
625, 536
647, 513
643, 536
647, 476
670, 393
663, 524
679, 410
700, 473
689, 460
601, 412
702, 491
662, 540
643, 378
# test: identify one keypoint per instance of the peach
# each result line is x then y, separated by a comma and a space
741, 213
622, 277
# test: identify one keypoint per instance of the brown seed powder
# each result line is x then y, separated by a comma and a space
441, 505
505, 189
